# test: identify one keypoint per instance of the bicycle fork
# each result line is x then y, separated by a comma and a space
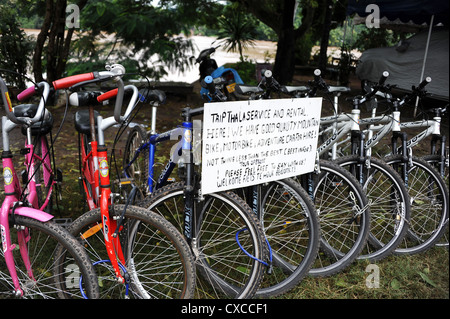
9, 204
113, 246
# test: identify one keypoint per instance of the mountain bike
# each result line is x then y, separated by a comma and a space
339, 200
145, 256
428, 191
42, 259
382, 182
224, 235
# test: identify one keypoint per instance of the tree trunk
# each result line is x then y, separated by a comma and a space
58, 44
40, 41
325, 37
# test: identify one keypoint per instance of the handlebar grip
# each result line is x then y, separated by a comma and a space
25, 94
383, 78
67, 82
317, 74
209, 82
268, 76
422, 84
107, 95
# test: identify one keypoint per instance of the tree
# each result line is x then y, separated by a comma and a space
280, 16
58, 40
237, 31
14, 46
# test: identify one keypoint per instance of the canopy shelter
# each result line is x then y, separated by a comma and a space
425, 54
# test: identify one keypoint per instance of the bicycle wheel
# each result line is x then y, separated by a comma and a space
429, 205
58, 261
344, 218
291, 226
435, 160
158, 261
389, 206
138, 170
229, 247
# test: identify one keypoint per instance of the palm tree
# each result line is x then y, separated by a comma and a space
237, 31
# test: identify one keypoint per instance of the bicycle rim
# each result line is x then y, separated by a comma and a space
344, 218
158, 261
291, 226
58, 262
389, 207
225, 228
429, 206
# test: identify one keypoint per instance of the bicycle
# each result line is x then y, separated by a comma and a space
428, 191
229, 260
42, 259
341, 204
145, 256
439, 152
381, 182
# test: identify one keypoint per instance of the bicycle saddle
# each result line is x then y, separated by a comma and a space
149, 96
38, 128
245, 89
333, 89
294, 89
82, 121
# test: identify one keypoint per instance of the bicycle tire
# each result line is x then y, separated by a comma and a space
226, 271
429, 205
138, 170
344, 218
435, 160
389, 206
158, 261
58, 261
291, 226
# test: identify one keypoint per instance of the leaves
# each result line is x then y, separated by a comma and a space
425, 277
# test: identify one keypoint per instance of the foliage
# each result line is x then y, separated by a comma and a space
237, 31
15, 47
146, 37
376, 38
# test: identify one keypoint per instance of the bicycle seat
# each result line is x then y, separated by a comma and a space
246, 89
149, 96
294, 89
82, 121
339, 89
37, 128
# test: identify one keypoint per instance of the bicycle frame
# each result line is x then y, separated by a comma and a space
95, 170
11, 204
181, 149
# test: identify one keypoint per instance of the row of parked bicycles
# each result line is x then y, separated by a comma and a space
151, 233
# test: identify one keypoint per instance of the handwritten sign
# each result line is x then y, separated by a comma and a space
247, 143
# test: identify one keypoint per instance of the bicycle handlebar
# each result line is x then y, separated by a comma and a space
9, 109
27, 93
69, 81
108, 95
114, 73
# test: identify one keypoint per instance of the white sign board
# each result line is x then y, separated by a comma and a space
247, 143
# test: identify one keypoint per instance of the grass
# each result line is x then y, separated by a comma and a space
422, 276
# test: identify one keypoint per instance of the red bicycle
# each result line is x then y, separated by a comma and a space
145, 254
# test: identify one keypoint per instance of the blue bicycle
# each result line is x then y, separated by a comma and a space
224, 235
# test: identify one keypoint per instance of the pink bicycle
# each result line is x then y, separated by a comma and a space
42, 259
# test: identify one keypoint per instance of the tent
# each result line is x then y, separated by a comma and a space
425, 54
